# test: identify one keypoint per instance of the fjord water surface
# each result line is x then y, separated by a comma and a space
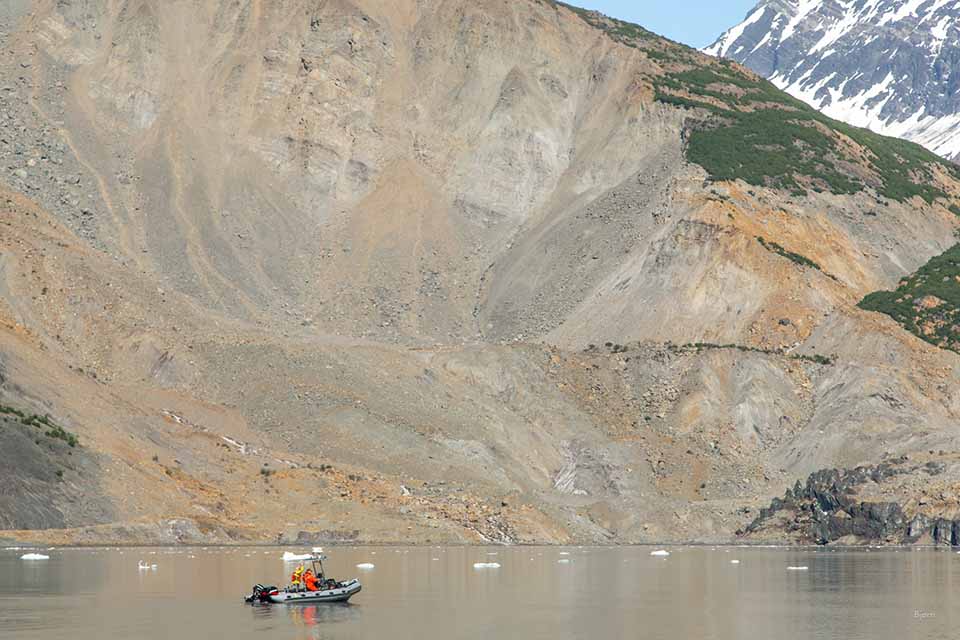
433, 593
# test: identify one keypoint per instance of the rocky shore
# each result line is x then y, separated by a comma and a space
845, 506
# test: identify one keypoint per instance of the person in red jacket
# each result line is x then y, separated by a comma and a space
310, 581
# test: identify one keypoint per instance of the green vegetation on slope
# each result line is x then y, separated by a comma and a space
927, 303
700, 347
803, 261
710, 346
51, 429
752, 131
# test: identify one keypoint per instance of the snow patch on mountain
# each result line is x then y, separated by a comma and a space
892, 66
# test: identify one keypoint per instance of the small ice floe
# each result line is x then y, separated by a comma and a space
34, 556
143, 566
563, 561
486, 565
317, 549
18, 549
660, 553
564, 553
492, 553
294, 557
797, 568
434, 559
365, 566
734, 562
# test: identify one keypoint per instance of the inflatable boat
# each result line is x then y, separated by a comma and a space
341, 592
326, 590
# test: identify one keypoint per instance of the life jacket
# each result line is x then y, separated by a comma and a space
297, 574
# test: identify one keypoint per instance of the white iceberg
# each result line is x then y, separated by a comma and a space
796, 568
317, 549
34, 556
366, 566
486, 565
294, 557
661, 553
563, 561
734, 562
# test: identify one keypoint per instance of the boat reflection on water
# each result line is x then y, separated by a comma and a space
309, 616
312, 615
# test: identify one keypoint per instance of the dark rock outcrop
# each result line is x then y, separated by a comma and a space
827, 508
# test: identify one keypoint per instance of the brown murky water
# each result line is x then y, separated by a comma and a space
434, 593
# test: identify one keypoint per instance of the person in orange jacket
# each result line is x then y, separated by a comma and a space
310, 580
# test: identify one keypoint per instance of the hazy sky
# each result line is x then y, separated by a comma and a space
693, 22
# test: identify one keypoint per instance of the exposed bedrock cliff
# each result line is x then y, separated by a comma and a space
902, 501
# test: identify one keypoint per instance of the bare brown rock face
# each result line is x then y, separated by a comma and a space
354, 270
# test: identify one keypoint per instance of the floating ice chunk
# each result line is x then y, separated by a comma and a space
486, 565
564, 553
661, 553
143, 566
294, 557
34, 556
734, 562
18, 549
563, 561
317, 549
366, 566
432, 559
492, 553
797, 568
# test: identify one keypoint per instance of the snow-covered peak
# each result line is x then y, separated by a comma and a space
890, 65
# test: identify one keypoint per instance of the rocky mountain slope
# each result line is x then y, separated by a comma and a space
888, 65
450, 272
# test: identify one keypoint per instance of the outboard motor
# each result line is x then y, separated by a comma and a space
261, 593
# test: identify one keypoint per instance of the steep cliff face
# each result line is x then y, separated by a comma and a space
447, 271
890, 65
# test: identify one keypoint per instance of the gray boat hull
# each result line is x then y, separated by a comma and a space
341, 594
